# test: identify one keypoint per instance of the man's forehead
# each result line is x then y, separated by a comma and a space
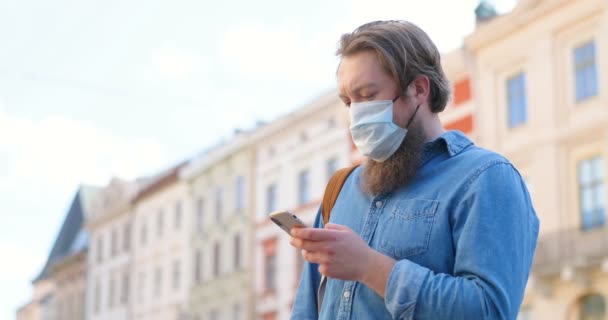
359, 72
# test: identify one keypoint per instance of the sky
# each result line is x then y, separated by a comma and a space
95, 89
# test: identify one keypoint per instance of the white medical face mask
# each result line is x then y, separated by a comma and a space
373, 130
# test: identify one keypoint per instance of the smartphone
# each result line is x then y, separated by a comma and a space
286, 220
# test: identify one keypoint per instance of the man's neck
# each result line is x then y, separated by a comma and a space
433, 128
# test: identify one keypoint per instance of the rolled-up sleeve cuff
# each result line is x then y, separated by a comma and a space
404, 284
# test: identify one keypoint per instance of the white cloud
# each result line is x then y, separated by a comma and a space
175, 63
286, 53
41, 164
60, 152
446, 22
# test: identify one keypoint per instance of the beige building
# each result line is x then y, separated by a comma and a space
295, 156
540, 88
59, 289
110, 255
161, 255
221, 188
460, 110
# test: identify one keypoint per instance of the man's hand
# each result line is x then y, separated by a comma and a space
342, 254
338, 250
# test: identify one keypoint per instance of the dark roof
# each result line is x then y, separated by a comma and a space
161, 181
70, 236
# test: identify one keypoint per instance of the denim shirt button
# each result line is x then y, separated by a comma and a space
378, 204
346, 294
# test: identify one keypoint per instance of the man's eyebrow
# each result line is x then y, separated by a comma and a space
360, 88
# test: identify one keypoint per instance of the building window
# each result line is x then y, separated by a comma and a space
176, 274
113, 243
111, 289
216, 259
240, 193
270, 271
177, 221
124, 291
213, 315
271, 198
219, 195
237, 251
591, 190
97, 300
303, 187
158, 281
143, 234
237, 312
516, 100
331, 167
593, 307
270, 265
160, 223
200, 206
141, 286
99, 249
126, 241
198, 260
585, 69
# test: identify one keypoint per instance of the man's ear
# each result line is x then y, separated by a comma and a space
421, 89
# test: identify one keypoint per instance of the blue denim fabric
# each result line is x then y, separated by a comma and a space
463, 234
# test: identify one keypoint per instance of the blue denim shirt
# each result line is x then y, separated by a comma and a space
463, 233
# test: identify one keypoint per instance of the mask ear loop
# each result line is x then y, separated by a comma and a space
412, 118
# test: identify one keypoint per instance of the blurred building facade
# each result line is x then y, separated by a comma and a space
59, 290
109, 260
540, 76
161, 267
295, 156
220, 185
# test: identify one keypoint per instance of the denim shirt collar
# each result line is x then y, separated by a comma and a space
451, 141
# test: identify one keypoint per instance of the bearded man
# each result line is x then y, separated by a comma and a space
431, 226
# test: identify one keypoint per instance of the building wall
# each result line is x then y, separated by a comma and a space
305, 140
459, 114
161, 262
70, 280
109, 260
538, 39
221, 203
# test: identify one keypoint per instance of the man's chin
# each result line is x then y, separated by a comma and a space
397, 171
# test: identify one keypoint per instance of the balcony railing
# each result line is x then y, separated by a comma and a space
573, 247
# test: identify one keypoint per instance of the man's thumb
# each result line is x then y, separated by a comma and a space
333, 226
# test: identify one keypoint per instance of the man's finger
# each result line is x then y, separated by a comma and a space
314, 257
315, 234
308, 245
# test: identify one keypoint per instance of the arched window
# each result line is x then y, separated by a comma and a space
592, 307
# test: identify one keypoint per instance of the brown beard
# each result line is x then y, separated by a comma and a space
398, 170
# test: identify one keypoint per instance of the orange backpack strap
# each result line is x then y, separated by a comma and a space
332, 190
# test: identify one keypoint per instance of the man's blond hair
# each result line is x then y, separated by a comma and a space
405, 51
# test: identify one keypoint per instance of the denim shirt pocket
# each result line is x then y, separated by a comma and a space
408, 229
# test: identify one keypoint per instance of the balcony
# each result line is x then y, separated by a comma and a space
563, 250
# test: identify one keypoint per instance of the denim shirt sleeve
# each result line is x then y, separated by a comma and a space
305, 304
494, 232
